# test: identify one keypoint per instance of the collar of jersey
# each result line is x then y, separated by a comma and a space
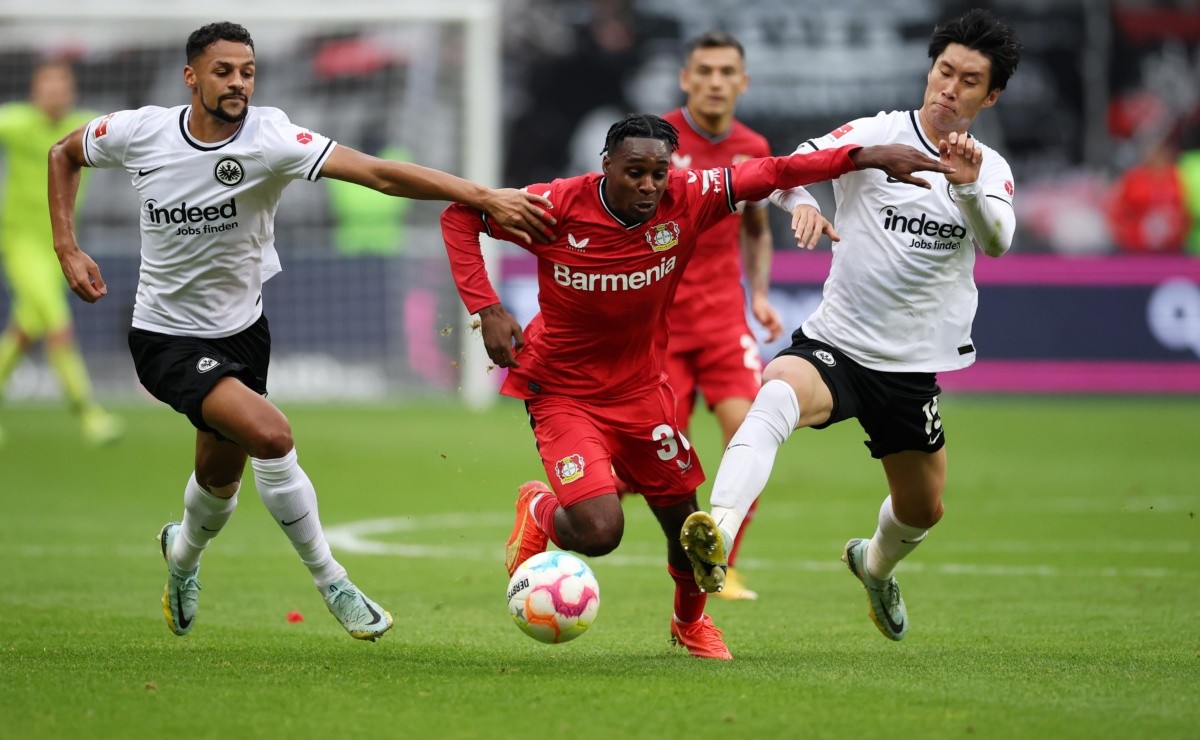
691, 122
204, 146
916, 124
603, 202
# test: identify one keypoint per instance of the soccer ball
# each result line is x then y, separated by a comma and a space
553, 597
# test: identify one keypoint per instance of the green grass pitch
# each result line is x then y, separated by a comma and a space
1060, 596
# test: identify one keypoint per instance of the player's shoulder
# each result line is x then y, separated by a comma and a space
746, 137
675, 117
268, 114
16, 109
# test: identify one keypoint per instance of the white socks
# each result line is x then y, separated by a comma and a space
893, 541
203, 517
748, 459
290, 497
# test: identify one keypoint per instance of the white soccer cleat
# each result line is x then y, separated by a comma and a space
887, 607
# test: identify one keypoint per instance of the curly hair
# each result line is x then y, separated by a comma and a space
206, 36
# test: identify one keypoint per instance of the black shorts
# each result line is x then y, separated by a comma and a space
180, 371
898, 411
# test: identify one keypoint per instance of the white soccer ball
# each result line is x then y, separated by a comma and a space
553, 597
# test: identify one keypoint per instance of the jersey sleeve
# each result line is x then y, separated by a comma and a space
755, 179
987, 205
860, 132
461, 227
763, 149
709, 194
292, 151
107, 137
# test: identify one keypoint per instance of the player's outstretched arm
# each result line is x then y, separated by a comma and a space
899, 161
521, 213
65, 167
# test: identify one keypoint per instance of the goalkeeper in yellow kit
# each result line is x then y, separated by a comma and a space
39, 309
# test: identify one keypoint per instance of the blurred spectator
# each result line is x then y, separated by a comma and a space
1189, 173
574, 57
367, 221
1146, 210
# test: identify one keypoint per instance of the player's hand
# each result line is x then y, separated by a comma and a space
522, 213
767, 317
502, 337
83, 275
899, 161
809, 225
963, 154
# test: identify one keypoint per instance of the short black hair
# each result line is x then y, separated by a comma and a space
980, 31
206, 36
640, 126
713, 40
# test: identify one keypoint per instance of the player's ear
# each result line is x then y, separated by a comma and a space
605, 162
991, 98
189, 76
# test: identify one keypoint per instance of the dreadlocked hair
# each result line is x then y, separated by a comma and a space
640, 126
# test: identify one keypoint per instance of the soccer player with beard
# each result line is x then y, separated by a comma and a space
895, 311
590, 365
711, 348
210, 176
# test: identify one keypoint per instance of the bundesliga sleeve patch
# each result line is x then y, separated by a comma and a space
102, 127
841, 131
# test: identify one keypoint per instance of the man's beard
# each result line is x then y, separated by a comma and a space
217, 112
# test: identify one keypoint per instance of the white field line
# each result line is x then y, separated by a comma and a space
356, 537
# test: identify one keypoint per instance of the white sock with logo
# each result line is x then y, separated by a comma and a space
204, 515
893, 541
289, 495
747, 462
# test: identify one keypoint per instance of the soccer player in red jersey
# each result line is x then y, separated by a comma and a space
711, 350
589, 366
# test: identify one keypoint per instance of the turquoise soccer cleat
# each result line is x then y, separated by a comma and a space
887, 606
182, 592
362, 617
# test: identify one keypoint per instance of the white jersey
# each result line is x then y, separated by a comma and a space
901, 296
208, 211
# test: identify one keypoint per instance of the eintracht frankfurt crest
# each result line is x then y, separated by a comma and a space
663, 236
569, 468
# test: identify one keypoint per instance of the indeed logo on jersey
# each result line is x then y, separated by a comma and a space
948, 235
188, 215
607, 282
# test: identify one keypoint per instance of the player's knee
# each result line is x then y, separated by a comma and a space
600, 541
927, 515
271, 442
598, 535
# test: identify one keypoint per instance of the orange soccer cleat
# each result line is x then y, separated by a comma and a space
527, 538
701, 638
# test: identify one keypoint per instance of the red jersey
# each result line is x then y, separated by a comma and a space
604, 286
710, 292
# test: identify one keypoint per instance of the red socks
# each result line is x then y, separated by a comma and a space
689, 599
543, 511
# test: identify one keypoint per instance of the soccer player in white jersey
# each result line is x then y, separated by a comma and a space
896, 310
210, 176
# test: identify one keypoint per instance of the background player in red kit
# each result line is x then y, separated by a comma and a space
711, 350
590, 365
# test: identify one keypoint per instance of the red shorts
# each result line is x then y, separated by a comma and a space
579, 441
722, 365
